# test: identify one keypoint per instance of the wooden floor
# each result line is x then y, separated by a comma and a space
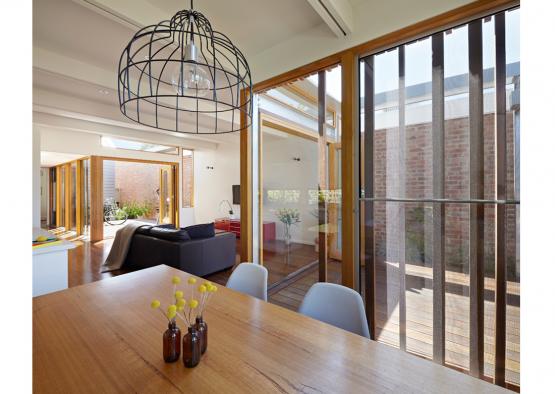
86, 259
282, 261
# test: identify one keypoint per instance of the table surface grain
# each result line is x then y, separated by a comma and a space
104, 337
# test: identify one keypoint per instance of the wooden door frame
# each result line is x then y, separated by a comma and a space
97, 191
65, 221
59, 221
349, 59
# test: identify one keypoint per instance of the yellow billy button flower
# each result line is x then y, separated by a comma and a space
172, 308
193, 304
176, 280
178, 294
155, 304
171, 314
181, 303
202, 289
213, 289
191, 281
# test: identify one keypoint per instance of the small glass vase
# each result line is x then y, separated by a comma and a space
287, 235
202, 330
171, 343
191, 348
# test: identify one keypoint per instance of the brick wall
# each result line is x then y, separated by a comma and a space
137, 182
418, 184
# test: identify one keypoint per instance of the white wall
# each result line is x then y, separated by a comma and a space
281, 172
214, 185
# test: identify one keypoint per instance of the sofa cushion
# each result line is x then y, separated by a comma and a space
198, 231
144, 229
169, 225
169, 234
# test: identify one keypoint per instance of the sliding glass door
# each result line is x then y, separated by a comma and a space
439, 196
300, 183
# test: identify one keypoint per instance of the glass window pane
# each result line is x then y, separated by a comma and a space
512, 48
402, 160
386, 172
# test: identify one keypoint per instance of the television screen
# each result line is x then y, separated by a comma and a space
236, 194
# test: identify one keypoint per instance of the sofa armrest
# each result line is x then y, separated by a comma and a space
202, 257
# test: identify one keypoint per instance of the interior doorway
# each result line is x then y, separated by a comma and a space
136, 191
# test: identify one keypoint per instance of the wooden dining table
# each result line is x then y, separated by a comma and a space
103, 337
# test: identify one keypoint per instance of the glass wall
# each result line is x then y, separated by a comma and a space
300, 184
439, 141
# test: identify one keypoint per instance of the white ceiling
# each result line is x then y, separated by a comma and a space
83, 30
77, 43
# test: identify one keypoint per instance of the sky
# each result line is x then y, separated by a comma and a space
418, 57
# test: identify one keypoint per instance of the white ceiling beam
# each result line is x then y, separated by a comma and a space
56, 63
125, 12
78, 122
337, 14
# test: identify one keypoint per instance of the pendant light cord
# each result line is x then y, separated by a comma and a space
192, 22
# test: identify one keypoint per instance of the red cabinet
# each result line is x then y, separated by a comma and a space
234, 226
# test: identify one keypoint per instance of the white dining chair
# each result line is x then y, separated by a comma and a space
251, 279
336, 305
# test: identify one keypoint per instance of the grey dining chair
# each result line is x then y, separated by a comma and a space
251, 279
337, 305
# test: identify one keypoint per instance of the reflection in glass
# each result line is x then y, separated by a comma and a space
301, 184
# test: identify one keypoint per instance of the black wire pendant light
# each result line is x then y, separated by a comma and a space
181, 75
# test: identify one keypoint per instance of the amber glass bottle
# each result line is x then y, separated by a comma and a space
202, 329
191, 348
172, 343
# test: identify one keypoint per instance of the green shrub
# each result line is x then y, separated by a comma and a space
135, 210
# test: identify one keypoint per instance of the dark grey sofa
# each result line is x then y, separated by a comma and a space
199, 257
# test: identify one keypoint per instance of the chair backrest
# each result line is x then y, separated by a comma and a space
336, 305
251, 279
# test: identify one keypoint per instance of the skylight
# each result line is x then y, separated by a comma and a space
118, 143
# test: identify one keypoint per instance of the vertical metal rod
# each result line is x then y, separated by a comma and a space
401, 206
369, 261
501, 142
438, 210
322, 181
476, 241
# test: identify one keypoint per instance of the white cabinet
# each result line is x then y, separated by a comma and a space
50, 266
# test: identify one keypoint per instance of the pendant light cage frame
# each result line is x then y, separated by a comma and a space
151, 73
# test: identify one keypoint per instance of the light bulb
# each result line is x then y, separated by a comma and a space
190, 79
